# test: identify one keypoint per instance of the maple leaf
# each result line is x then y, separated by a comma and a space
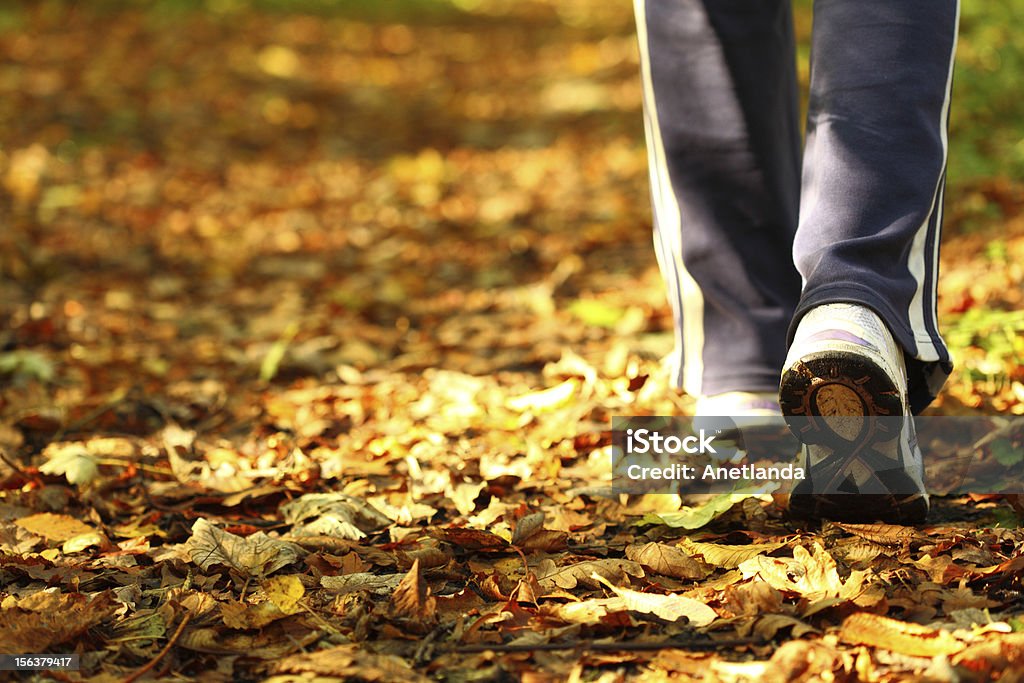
814, 576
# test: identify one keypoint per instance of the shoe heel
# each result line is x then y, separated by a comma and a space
825, 397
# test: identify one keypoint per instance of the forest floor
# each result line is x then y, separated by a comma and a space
313, 326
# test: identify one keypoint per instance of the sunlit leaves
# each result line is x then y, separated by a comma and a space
256, 556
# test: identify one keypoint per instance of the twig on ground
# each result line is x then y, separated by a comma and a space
612, 647
167, 648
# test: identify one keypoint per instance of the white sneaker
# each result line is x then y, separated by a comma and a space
751, 420
844, 395
737, 403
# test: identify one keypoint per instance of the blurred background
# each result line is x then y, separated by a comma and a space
203, 198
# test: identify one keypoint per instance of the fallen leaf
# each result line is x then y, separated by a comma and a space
54, 527
885, 534
769, 625
544, 400
332, 514
668, 607
753, 598
668, 560
286, 592
697, 516
549, 575
244, 617
813, 576
49, 618
351, 662
531, 535
412, 598
374, 583
464, 496
865, 628
728, 556
257, 555
470, 539
993, 656
74, 461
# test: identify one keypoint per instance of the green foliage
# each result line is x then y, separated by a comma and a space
26, 365
272, 361
987, 112
987, 117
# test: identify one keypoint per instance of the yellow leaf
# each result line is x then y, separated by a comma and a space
285, 591
54, 527
82, 541
905, 638
544, 400
668, 607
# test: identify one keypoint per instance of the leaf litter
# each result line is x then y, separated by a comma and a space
307, 370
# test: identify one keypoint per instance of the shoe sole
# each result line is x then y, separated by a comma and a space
825, 397
828, 398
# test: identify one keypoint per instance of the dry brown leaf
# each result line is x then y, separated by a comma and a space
993, 656
803, 660
49, 618
470, 539
273, 642
814, 577
459, 604
753, 598
241, 616
351, 662
860, 551
885, 534
428, 557
332, 514
412, 598
530, 534
544, 400
728, 556
54, 527
550, 576
590, 611
668, 560
769, 625
257, 555
464, 496
527, 526
865, 628
364, 581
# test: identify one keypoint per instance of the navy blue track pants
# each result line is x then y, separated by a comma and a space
749, 232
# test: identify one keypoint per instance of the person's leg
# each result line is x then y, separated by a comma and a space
864, 337
874, 170
721, 118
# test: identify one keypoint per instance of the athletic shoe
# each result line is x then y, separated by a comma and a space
750, 420
844, 395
